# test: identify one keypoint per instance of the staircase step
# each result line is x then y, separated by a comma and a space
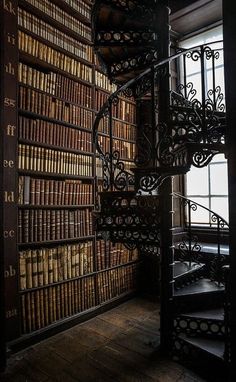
211, 314
211, 346
186, 273
183, 268
201, 294
202, 286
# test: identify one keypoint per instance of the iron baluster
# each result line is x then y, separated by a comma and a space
185, 77
190, 232
214, 80
111, 146
203, 84
153, 109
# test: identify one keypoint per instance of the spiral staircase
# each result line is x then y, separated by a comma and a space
177, 128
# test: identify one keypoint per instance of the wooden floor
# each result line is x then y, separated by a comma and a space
119, 345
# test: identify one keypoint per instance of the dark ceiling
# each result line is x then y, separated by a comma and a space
190, 16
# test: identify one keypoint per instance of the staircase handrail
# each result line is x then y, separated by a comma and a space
222, 221
190, 247
131, 82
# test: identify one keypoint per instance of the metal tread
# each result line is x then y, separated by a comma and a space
215, 347
210, 314
199, 287
182, 269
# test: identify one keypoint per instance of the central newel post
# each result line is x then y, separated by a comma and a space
166, 263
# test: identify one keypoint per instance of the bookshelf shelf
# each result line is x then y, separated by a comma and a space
118, 138
56, 283
59, 49
54, 147
67, 8
53, 175
55, 207
44, 16
107, 93
54, 242
38, 63
119, 266
56, 121
55, 97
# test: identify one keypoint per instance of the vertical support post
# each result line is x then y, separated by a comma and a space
190, 232
203, 83
153, 108
9, 311
111, 147
166, 263
229, 34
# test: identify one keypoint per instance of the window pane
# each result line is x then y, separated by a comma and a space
218, 158
193, 66
197, 181
195, 79
220, 206
200, 216
219, 179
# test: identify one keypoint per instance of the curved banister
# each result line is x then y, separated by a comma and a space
111, 160
189, 246
214, 214
131, 82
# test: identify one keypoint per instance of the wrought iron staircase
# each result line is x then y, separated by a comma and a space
177, 128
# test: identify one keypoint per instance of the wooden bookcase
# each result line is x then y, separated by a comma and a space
56, 271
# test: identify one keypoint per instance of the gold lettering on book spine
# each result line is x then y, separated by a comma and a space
10, 130
9, 234
8, 6
9, 197
10, 272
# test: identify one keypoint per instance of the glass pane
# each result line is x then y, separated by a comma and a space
220, 206
195, 79
219, 158
214, 34
197, 181
193, 66
219, 179
200, 216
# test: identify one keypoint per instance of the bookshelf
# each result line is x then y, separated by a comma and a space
56, 271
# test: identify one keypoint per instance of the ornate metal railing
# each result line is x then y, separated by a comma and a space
190, 248
193, 133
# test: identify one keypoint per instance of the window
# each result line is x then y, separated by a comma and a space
207, 186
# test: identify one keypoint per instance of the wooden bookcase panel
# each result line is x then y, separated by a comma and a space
57, 272
9, 70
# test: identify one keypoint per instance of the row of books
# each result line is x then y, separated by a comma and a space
124, 110
126, 149
46, 225
109, 255
44, 30
64, 18
103, 82
39, 267
49, 192
120, 129
115, 282
43, 307
56, 85
33, 47
81, 7
43, 104
36, 158
41, 131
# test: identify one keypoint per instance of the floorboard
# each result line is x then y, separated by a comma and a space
120, 345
